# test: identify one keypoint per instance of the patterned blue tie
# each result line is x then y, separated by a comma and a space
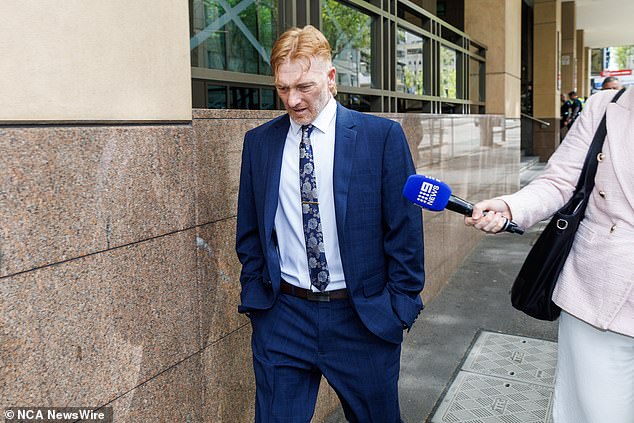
317, 265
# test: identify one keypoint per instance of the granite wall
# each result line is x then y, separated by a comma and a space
118, 277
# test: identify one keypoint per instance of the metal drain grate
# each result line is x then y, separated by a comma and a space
513, 357
504, 379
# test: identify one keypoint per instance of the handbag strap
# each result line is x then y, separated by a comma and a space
586, 179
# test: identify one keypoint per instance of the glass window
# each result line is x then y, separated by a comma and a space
409, 62
244, 98
448, 71
450, 109
370, 50
410, 106
267, 99
361, 103
449, 35
216, 97
233, 35
238, 97
476, 80
349, 33
413, 17
596, 61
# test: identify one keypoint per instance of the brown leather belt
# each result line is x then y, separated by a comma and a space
307, 294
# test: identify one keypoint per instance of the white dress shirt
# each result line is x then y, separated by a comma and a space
288, 217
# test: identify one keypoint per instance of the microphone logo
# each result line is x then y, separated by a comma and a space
427, 193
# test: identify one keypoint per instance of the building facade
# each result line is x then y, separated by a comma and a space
391, 56
118, 276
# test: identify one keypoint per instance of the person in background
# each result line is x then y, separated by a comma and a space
576, 106
595, 367
611, 83
331, 251
564, 111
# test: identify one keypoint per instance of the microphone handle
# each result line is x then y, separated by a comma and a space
465, 208
512, 227
458, 205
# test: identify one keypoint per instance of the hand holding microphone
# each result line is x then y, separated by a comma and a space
435, 195
488, 221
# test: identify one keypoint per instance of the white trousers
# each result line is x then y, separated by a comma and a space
595, 374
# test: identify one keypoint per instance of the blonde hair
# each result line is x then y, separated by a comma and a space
302, 45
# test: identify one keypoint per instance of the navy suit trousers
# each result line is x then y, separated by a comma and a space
297, 341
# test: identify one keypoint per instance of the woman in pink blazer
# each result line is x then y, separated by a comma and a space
595, 369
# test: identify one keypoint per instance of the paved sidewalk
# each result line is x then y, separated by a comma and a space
476, 299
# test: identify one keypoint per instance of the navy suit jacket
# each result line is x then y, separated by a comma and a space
380, 233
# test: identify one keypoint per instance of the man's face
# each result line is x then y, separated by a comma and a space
305, 91
612, 85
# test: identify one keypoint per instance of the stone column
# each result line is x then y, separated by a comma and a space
568, 48
497, 24
547, 75
583, 82
93, 61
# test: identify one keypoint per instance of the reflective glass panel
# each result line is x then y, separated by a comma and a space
244, 98
409, 62
596, 61
361, 103
267, 100
410, 106
216, 97
349, 33
413, 17
234, 97
474, 80
233, 35
448, 68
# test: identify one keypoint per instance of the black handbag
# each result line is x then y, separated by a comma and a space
533, 288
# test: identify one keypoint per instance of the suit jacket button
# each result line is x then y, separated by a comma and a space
602, 194
613, 228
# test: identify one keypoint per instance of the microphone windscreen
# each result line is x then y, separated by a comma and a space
428, 193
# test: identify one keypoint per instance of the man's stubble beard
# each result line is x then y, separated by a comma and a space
323, 100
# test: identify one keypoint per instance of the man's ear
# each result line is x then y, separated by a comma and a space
332, 73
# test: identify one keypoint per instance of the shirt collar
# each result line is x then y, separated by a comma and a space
323, 119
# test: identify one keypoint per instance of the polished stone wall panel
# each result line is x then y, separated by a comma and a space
546, 139
228, 380
219, 279
71, 191
85, 331
219, 135
327, 401
478, 157
88, 319
172, 396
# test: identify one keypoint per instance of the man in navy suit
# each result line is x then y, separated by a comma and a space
331, 252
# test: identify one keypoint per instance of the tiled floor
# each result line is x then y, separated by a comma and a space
504, 379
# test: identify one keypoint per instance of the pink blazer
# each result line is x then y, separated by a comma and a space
597, 282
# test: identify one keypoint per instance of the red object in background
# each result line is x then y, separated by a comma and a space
621, 72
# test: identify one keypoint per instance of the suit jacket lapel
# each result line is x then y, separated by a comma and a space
274, 168
620, 125
345, 142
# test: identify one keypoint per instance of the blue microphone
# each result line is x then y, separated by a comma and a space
432, 194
